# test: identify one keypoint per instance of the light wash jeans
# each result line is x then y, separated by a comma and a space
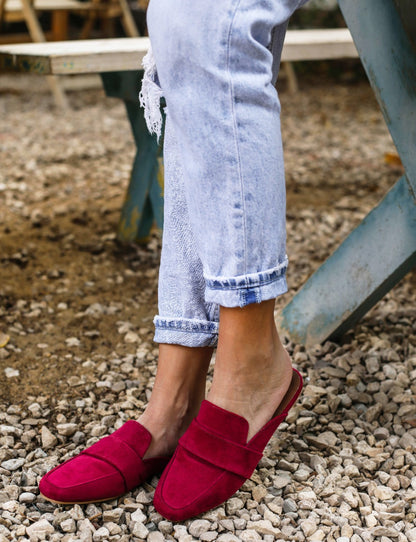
224, 232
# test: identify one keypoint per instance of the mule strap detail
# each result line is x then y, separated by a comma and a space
218, 451
121, 456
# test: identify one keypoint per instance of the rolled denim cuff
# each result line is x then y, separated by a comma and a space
185, 331
246, 289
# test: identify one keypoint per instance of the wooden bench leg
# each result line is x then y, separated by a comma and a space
389, 58
143, 205
60, 25
128, 20
37, 35
292, 81
375, 256
383, 248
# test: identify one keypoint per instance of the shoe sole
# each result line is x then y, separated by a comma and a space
80, 502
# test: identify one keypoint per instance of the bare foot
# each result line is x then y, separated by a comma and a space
177, 394
252, 371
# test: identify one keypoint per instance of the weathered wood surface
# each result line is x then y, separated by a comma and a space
74, 57
318, 44
389, 58
120, 54
373, 258
37, 35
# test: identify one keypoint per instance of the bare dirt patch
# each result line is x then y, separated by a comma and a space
69, 292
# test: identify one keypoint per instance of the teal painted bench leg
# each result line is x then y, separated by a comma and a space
375, 256
387, 49
143, 205
382, 249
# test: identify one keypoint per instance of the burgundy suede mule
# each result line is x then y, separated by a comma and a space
106, 470
213, 458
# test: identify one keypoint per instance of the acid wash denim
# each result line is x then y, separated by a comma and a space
224, 232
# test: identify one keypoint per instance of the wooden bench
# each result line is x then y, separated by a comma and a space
378, 253
87, 56
117, 54
12, 11
27, 10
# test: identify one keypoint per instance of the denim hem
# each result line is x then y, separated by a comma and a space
185, 331
245, 295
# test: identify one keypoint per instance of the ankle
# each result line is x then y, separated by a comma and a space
251, 382
252, 370
168, 416
166, 429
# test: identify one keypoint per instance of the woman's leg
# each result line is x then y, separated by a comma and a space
186, 326
253, 371
177, 394
215, 69
216, 66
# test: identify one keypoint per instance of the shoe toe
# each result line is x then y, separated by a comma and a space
213, 458
82, 479
202, 486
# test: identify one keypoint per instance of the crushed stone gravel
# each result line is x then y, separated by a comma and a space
76, 352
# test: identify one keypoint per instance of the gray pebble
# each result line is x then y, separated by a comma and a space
233, 505
165, 526
68, 525
208, 536
381, 433
13, 464
289, 505
27, 497
101, 534
66, 429
199, 526
40, 529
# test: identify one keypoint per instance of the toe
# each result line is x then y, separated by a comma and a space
82, 479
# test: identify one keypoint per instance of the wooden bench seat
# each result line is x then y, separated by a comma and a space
88, 56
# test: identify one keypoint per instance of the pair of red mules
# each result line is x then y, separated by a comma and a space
212, 461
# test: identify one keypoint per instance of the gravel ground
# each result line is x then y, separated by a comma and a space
76, 352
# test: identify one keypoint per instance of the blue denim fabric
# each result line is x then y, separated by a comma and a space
224, 232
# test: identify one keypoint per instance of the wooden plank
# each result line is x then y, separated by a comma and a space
374, 257
59, 25
378, 253
35, 30
2, 6
80, 56
319, 44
